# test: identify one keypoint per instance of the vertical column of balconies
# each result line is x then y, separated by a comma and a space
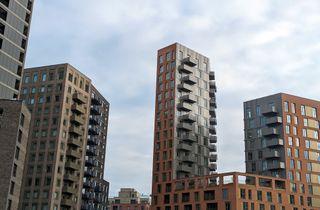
73, 154
91, 187
212, 124
273, 162
185, 124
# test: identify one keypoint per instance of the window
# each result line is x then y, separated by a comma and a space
303, 111
17, 153
12, 188
305, 122
225, 194
287, 129
299, 164
288, 119
286, 106
44, 77
291, 199
9, 204
269, 197
290, 141
297, 142
314, 112
293, 108
160, 59
26, 79
289, 152
304, 132
245, 206
14, 171
243, 193
259, 195
35, 77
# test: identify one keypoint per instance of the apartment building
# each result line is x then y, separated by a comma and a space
59, 97
282, 140
95, 188
129, 199
14, 128
15, 18
185, 119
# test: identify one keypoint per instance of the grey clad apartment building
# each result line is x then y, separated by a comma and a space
67, 140
15, 17
14, 128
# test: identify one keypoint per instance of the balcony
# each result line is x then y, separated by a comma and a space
190, 98
71, 177
183, 68
212, 112
184, 146
95, 110
274, 120
276, 166
93, 130
212, 85
212, 139
88, 196
77, 119
98, 188
188, 159
91, 151
91, 162
211, 75
185, 87
90, 172
94, 119
69, 190
185, 126
212, 148
184, 168
73, 153
270, 154
212, 93
191, 80
213, 102
213, 121
77, 108
79, 98
267, 132
72, 165
189, 118
270, 111
213, 157
190, 61
212, 166
95, 100
88, 184
93, 140
212, 129
276, 142
189, 137
182, 106
76, 130
67, 202
75, 142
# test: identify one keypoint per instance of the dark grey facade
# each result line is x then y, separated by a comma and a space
14, 128
15, 17
95, 188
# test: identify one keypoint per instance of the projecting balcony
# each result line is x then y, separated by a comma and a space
276, 166
185, 87
75, 142
191, 80
212, 166
212, 129
189, 137
184, 146
212, 112
73, 153
185, 126
190, 98
270, 154
270, 111
79, 98
213, 157
77, 119
212, 148
69, 190
212, 139
76, 130
88, 196
184, 168
188, 159
213, 121
273, 120
93, 140
72, 165
91, 161
71, 177
67, 202
182, 106
95, 110
212, 93
94, 119
91, 151
90, 172
93, 130
190, 61
212, 85
87, 206
211, 75
275, 142
267, 132
77, 108
183, 68
213, 102
88, 184
190, 118
95, 100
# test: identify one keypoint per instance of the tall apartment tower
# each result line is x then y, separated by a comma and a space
15, 17
14, 128
185, 119
95, 188
282, 140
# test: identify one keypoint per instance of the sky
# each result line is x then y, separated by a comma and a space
256, 48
